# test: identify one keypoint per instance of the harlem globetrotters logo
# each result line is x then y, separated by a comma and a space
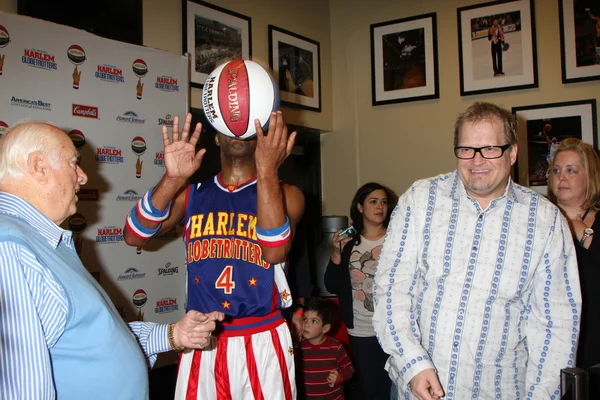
140, 69
139, 299
138, 146
76, 55
4, 40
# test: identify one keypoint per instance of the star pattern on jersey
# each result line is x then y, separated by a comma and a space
252, 282
197, 280
284, 295
226, 304
291, 350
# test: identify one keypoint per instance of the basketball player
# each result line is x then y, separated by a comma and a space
238, 230
496, 36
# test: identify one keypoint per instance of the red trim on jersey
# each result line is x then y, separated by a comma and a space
193, 379
222, 384
282, 365
233, 188
251, 325
252, 370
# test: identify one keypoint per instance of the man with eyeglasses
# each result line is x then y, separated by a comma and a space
477, 289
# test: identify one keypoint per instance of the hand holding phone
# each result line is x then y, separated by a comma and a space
350, 231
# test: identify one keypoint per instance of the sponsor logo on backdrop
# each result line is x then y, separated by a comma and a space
168, 270
80, 110
139, 298
130, 117
131, 274
29, 103
109, 234
78, 139
159, 159
3, 128
77, 224
166, 84
129, 195
109, 73
88, 195
138, 146
39, 59
4, 40
109, 155
76, 56
167, 120
140, 69
166, 305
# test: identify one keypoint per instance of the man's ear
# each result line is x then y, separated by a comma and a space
326, 328
38, 167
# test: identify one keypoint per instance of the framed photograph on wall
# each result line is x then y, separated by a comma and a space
540, 130
497, 47
404, 60
296, 64
213, 35
580, 40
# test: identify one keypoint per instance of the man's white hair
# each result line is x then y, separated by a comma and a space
20, 142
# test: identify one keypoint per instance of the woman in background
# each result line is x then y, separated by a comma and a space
574, 186
350, 275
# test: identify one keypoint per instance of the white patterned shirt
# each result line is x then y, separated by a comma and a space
489, 298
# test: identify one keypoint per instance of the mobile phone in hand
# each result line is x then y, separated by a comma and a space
350, 231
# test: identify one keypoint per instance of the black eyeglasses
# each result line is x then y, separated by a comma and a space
489, 152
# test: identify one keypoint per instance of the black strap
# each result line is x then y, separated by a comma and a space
585, 214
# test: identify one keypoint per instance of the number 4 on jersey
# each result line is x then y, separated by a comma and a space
225, 280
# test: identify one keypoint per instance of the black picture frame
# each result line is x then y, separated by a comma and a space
404, 60
478, 73
296, 64
225, 35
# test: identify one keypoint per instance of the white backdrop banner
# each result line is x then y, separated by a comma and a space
112, 98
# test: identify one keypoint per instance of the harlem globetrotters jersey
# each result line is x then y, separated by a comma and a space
226, 271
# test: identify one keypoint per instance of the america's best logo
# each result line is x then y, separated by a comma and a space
39, 59
168, 270
131, 274
80, 110
109, 234
109, 73
167, 120
159, 159
166, 305
109, 155
130, 117
129, 195
28, 103
166, 84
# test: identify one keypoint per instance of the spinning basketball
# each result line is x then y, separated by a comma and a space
235, 94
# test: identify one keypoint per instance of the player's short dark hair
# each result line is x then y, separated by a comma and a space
322, 307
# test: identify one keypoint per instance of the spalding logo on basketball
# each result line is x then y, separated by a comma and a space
76, 54
235, 94
140, 68
77, 138
138, 145
4, 37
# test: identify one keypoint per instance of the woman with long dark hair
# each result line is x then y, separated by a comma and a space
350, 274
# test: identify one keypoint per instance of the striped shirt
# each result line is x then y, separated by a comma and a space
318, 361
26, 337
489, 298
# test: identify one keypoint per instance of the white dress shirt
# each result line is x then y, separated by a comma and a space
489, 298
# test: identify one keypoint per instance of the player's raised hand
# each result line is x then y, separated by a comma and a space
274, 147
181, 158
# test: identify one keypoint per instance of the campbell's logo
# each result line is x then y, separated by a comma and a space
129, 195
139, 298
159, 159
109, 73
76, 54
131, 274
140, 68
77, 138
88, 195
168, 270
80, 110
109, 155
77, 223
166, 121
3, 128
29, 103
166, 84
130, 117
109, 234
166, 305
4, 37
39, 59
